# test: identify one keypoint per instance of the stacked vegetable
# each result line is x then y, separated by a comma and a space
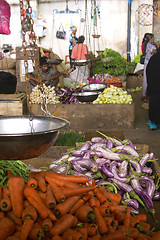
115, 164
65, 95
116, 65
40, 92
53, 206
113, 95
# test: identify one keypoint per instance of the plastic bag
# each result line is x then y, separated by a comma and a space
5, 15
78, 76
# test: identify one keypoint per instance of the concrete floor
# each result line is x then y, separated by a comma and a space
141, 134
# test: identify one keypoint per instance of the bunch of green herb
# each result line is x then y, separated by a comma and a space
69, 138
17, 168
116, 64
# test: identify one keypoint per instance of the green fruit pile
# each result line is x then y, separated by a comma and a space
114, 95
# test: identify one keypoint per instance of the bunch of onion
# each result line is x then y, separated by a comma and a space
40, 92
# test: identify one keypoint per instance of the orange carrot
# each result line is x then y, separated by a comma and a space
1, 215
133, 233
14, 218
30, 213
76, 191
5, 204
102, 227
76, 206
114, 197
143, 227
82, 231
105, 211
127, 218
145, 237
156, 236
1, 190
26, 228
16, 187
50, 199
7, 228
47, 224
64, 207
32, 182
56, 237
36, 232
100, 196
118, 235
85, 214
92, 229
57, 192
64, 177
33, 197
41, 182
97, 202
96, 237
72, 233
26, 203
65, 222
113, 226
92, 200
42, 195
62, 183
141, 217
120, 208
12, 238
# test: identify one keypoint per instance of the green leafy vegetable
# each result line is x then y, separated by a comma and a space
17, 168
69, 138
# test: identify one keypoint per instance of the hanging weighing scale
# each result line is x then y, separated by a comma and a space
24, 137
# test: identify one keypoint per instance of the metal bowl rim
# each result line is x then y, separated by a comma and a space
89, 92
66, 123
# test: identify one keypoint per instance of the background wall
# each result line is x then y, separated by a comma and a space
111, 24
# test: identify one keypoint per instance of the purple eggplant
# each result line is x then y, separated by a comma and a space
33, 169
102, 160
136, 166
123, 169
60, 169
109, 144
97, 145
85, 147
87, 154
129, 149
113, 169
132, 203
96, 139
109, 154
135, 183
77, 167
147, 170
156, 196
134, 211
150, 185
144, 159
78, 153
116, 142
106, 171
129, 143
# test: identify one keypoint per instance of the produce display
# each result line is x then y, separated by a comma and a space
53, 206
117, 165
115, 65
39, 92
18, 168
113, 95
65, 95
69, 138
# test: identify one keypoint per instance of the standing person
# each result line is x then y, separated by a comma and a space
153, 90
50, 77
148, 50
73, 40
80, 52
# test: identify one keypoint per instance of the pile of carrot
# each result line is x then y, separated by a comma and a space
54, 206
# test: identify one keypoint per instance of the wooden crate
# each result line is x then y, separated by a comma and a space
13, 104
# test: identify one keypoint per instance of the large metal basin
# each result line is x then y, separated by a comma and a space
86, 96
94, 87
21, 138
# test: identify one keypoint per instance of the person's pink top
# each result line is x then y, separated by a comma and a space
79, 51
